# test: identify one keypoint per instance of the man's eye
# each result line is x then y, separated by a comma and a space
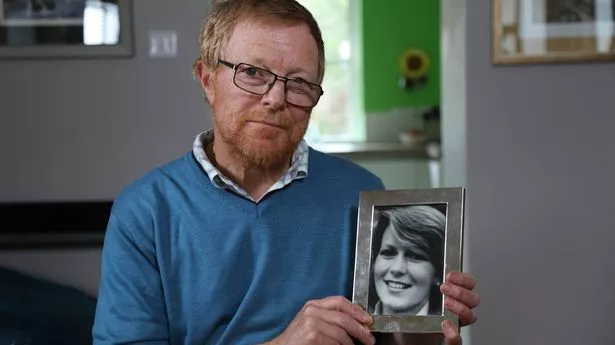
251, 71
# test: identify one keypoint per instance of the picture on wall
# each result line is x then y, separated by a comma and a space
552, 31
42, 12
407, 241
571, 11
65, 29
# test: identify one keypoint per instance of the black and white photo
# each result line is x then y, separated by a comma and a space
407, 240
407, 260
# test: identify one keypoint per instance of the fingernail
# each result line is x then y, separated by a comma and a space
445, 325
448, 303
446, 329
446, 287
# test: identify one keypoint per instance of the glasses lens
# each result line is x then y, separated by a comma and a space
257, 80
302, 94
253, 79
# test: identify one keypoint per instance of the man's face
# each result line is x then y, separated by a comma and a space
264, 130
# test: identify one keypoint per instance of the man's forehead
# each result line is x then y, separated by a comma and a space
267, 43
250, 28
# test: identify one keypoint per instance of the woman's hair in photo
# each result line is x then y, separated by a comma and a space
420, 227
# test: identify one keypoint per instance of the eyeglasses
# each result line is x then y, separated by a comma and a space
259, 81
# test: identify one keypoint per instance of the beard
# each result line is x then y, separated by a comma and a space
257, 144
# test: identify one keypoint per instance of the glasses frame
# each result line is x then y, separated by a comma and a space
270, 85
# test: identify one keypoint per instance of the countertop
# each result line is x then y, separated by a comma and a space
384, 149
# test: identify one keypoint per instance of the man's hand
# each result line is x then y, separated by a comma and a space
460, 299
329, 321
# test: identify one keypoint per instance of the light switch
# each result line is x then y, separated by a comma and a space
162, 43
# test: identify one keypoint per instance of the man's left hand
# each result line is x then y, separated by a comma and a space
460, 299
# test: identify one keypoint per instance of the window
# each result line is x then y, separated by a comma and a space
101, 23
337, 117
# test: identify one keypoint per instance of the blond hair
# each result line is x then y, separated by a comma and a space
219, 24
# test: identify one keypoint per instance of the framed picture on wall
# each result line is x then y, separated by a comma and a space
65, 28
407, 242
552, 31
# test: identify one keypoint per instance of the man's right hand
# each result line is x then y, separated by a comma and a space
329, 321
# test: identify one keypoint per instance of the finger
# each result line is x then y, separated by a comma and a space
451, 335
334, 333
462, 279
343, 305
317, 309
465, 296
321, 331
466, 315
349, 325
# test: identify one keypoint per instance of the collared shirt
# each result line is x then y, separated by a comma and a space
298, 167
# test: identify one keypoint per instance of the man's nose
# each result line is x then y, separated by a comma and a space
276, 96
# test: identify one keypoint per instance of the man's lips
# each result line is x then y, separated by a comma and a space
268, 123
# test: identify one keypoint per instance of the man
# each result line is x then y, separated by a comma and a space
249, 237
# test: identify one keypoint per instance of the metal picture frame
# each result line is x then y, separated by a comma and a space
54, 33
431, 222
552, 31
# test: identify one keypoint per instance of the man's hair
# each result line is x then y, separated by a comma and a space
218, 25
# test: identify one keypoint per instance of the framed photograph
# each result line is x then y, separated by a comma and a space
552, 31
65, 28
407, 242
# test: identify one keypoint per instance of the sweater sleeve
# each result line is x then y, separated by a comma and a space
131, 307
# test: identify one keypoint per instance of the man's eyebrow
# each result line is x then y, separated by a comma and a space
296, 70
257, 61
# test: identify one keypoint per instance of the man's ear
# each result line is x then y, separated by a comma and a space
206, 77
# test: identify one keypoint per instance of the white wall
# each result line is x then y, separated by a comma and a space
540, 170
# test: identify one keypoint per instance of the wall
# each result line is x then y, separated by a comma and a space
387, 32
453, 122
70, 117
64, 121
540, 187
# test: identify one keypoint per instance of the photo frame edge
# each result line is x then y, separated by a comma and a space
362, 244
368, 200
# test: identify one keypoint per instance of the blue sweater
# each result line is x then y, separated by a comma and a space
185, 262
